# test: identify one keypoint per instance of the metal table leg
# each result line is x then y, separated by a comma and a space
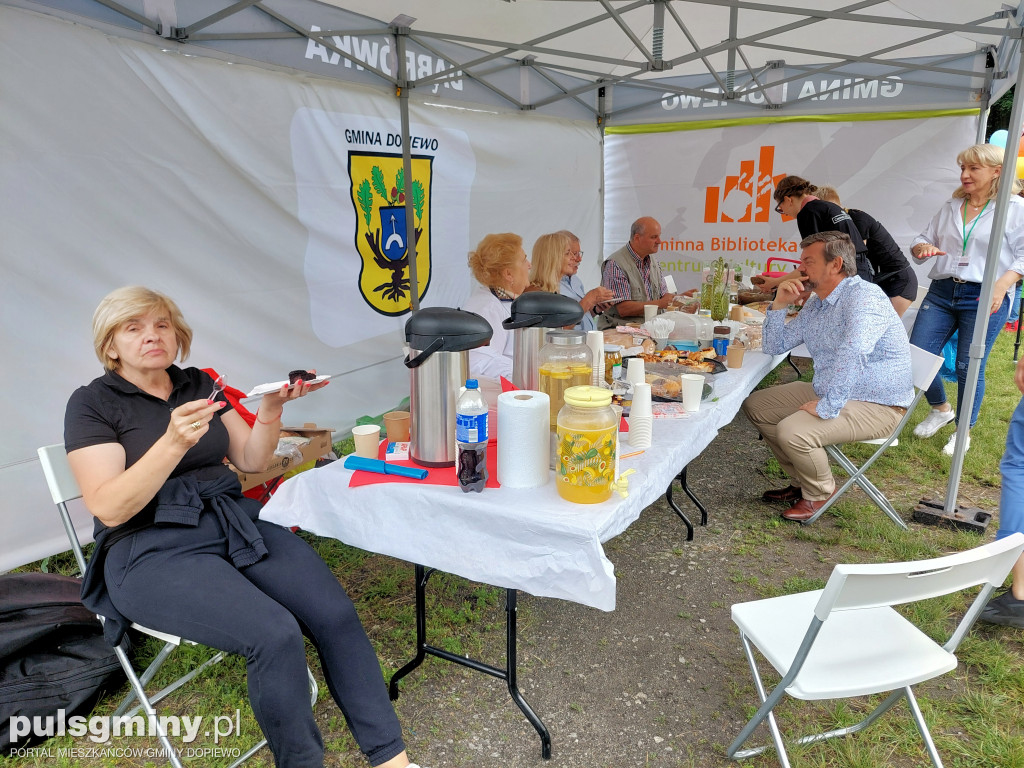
508, 674
697, 502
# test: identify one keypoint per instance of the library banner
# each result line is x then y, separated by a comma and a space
711, 188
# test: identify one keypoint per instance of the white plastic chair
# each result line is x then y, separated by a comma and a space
924, 366
846, 640
64, 488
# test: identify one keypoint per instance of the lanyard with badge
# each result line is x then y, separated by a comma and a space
966, 233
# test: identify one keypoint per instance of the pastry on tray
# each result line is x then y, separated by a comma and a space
673, 355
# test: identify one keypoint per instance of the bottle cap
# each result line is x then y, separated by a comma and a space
588, 397
472, 384
722, 329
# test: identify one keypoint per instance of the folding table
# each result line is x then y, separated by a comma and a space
516, 539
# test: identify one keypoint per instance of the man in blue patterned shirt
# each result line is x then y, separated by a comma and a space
862, 379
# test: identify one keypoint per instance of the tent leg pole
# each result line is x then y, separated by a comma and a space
410, 221
977, 349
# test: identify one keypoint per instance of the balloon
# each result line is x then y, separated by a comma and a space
998, 138
1020, 167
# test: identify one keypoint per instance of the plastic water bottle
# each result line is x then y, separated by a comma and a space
471, 436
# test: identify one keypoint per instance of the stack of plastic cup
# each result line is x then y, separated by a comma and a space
595, 341
641, 421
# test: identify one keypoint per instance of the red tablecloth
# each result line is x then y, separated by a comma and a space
435, 475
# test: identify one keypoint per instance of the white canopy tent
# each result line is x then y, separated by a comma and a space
193, 97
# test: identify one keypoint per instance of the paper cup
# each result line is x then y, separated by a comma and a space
641, 429
635, 370
641, 405
650, 311
367, 439
397, 425
692, 385
734, 355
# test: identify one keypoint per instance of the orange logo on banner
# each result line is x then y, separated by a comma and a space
759, 172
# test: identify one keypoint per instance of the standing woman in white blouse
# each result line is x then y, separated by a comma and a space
958, 240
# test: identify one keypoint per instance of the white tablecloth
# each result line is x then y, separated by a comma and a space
531, 539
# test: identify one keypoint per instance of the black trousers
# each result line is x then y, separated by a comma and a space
180, 580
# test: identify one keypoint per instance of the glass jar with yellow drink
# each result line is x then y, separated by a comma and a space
586, 445
565, 361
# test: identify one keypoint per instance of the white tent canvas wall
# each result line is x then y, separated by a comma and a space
228, 187
205, 150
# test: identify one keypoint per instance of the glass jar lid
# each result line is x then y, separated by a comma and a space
565, 338
588, 397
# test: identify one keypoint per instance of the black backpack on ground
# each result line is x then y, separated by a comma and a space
52, 652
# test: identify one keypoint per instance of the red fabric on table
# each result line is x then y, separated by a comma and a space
435, 475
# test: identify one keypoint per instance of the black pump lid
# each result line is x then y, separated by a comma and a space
442, 329
540, 309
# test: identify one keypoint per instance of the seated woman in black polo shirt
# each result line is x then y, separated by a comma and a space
179, 548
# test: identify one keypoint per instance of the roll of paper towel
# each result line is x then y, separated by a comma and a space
524, 449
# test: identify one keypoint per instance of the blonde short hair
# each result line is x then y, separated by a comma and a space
829, 194
493, 255
120, 306
984, 154
546, 262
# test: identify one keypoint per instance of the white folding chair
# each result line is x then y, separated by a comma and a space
64, 488
924, 366
846, 640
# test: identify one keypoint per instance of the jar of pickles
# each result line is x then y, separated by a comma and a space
565, 361
585, 436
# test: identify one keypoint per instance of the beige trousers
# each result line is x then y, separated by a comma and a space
797, 438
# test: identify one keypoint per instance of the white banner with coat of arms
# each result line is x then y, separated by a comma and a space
350, 185
711, 189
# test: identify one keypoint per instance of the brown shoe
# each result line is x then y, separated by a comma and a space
804, 509
788, 494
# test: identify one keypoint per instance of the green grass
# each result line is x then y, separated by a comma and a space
976, 713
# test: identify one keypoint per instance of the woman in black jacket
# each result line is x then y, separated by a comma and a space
892, 271
799, 199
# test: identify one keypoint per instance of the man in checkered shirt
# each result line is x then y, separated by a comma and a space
634, 275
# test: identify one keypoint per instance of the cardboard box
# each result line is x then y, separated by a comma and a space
319, 444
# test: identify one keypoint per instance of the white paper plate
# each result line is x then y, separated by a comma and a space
273, 386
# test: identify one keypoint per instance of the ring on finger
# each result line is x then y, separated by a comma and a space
197, 425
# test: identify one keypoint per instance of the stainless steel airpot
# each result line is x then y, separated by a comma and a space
439, 341
533, 315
